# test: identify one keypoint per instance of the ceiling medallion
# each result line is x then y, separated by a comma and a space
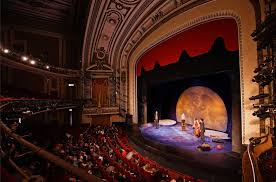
112, 21
105, 37
100, 53
119, 6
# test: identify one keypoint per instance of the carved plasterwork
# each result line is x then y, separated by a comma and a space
121, 26
137, 20
100, 64
110, 17
101, 111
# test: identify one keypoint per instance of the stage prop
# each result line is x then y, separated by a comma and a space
167, 122
201, 102
174, 136
216, 134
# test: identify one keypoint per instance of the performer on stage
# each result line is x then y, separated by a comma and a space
196, 127
183, 122
202, 130
156, 119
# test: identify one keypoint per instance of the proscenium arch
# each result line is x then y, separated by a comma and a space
196, 22
186, 27
245, 55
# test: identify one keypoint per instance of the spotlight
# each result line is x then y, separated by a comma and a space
6, 51
33, 62
47, 67
260, 96
24, 58
264, 115
264, 105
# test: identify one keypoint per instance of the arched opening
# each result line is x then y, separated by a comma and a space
189, 59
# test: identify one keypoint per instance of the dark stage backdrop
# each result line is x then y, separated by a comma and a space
196, 40
164, 97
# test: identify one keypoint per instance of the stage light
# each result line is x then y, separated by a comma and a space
260, 111
260, 96
264, 115
33, 62
70, 110
24, 58
47, 67
71, 85
6, 51
264, 105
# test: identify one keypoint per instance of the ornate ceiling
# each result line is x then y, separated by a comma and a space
53, 15
116, 27
113, 27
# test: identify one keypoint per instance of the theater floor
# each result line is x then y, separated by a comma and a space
211, 166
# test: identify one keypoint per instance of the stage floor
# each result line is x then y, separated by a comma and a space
174, 136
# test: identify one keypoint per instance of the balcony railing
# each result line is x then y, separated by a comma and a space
81, 173
21, 108
16, 60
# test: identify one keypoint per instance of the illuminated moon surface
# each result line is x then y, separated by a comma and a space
202, 102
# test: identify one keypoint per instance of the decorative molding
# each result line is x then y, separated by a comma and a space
100, 110
157, 16
161, 14
100, 65
191, 24
130, 2
110, 17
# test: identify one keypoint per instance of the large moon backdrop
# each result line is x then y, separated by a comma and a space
202, 102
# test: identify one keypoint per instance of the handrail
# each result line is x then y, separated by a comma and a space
16, 167
252, 153
14, 60
51, 157
51, 105
3, 105
251, 163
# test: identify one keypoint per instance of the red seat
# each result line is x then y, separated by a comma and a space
147, 176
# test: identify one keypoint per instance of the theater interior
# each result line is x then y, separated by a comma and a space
134, 90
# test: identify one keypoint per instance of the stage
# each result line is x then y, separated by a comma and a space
177, 149
172, 135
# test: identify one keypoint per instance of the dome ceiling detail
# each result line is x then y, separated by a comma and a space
116, 27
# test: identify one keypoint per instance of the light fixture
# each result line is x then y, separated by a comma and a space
71, 85
6, 51
32, 62
24, 58
70, 110
47, 67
